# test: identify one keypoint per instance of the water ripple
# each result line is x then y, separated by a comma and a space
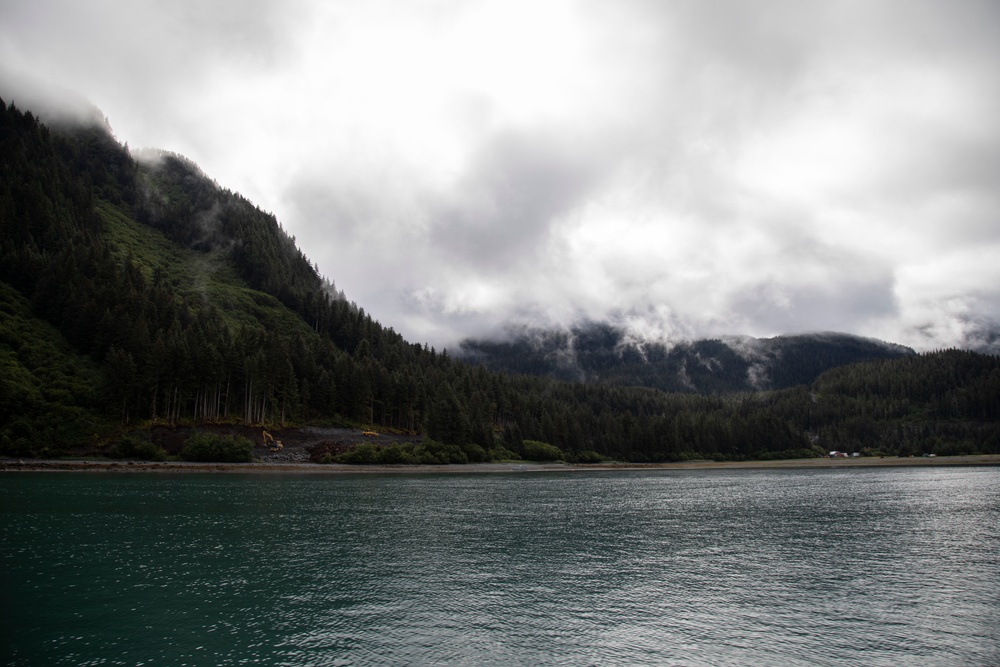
879, 567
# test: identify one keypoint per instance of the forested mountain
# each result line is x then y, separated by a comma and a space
599, 353
139, 292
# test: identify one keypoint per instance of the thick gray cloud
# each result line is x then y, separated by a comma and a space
503, 210
681, 168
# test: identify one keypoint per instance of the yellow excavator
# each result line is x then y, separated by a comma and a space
275, 445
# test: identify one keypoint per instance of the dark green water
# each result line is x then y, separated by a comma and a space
874, 567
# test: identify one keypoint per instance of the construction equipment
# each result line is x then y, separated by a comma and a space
276, 445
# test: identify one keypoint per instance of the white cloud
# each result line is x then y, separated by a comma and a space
684, 168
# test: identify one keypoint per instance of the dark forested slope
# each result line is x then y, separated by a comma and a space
139, 292
602, 354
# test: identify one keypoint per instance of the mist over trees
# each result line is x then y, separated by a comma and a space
138, 292
599, 353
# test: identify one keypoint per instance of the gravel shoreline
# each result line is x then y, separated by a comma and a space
270, 467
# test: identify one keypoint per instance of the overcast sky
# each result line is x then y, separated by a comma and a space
685, 168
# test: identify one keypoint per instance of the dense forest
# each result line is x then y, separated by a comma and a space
136, 292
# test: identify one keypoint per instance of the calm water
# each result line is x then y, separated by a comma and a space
874, 567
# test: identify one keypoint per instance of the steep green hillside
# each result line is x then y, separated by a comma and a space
47, 390
206, 280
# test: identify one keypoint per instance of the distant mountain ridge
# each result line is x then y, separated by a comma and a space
600, 353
